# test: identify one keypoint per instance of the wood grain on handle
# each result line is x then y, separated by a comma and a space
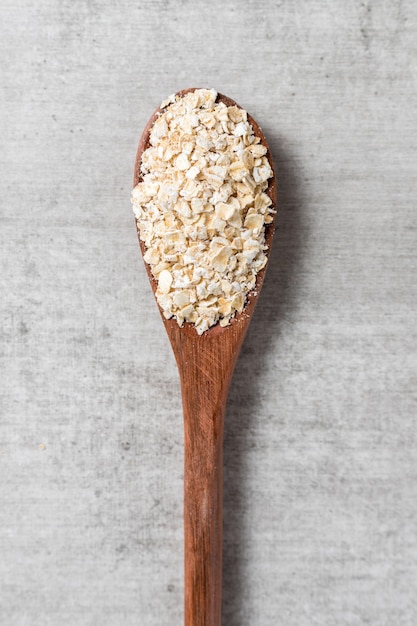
206, 368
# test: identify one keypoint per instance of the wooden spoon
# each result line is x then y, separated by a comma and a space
205, 363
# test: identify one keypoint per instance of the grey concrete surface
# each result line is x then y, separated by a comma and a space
320, 518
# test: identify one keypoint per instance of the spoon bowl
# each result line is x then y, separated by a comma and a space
205, 364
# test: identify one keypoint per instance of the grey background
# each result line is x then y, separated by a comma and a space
320, 445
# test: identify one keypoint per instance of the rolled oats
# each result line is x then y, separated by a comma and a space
201, 208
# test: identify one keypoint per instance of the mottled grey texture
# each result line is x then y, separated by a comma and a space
320, 447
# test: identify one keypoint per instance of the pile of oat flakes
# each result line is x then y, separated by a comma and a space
201, 208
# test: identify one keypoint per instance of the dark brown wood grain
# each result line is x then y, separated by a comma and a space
205, 365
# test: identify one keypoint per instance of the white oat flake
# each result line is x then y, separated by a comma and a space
201, 208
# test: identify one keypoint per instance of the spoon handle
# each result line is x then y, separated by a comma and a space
203, 486
205, 366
